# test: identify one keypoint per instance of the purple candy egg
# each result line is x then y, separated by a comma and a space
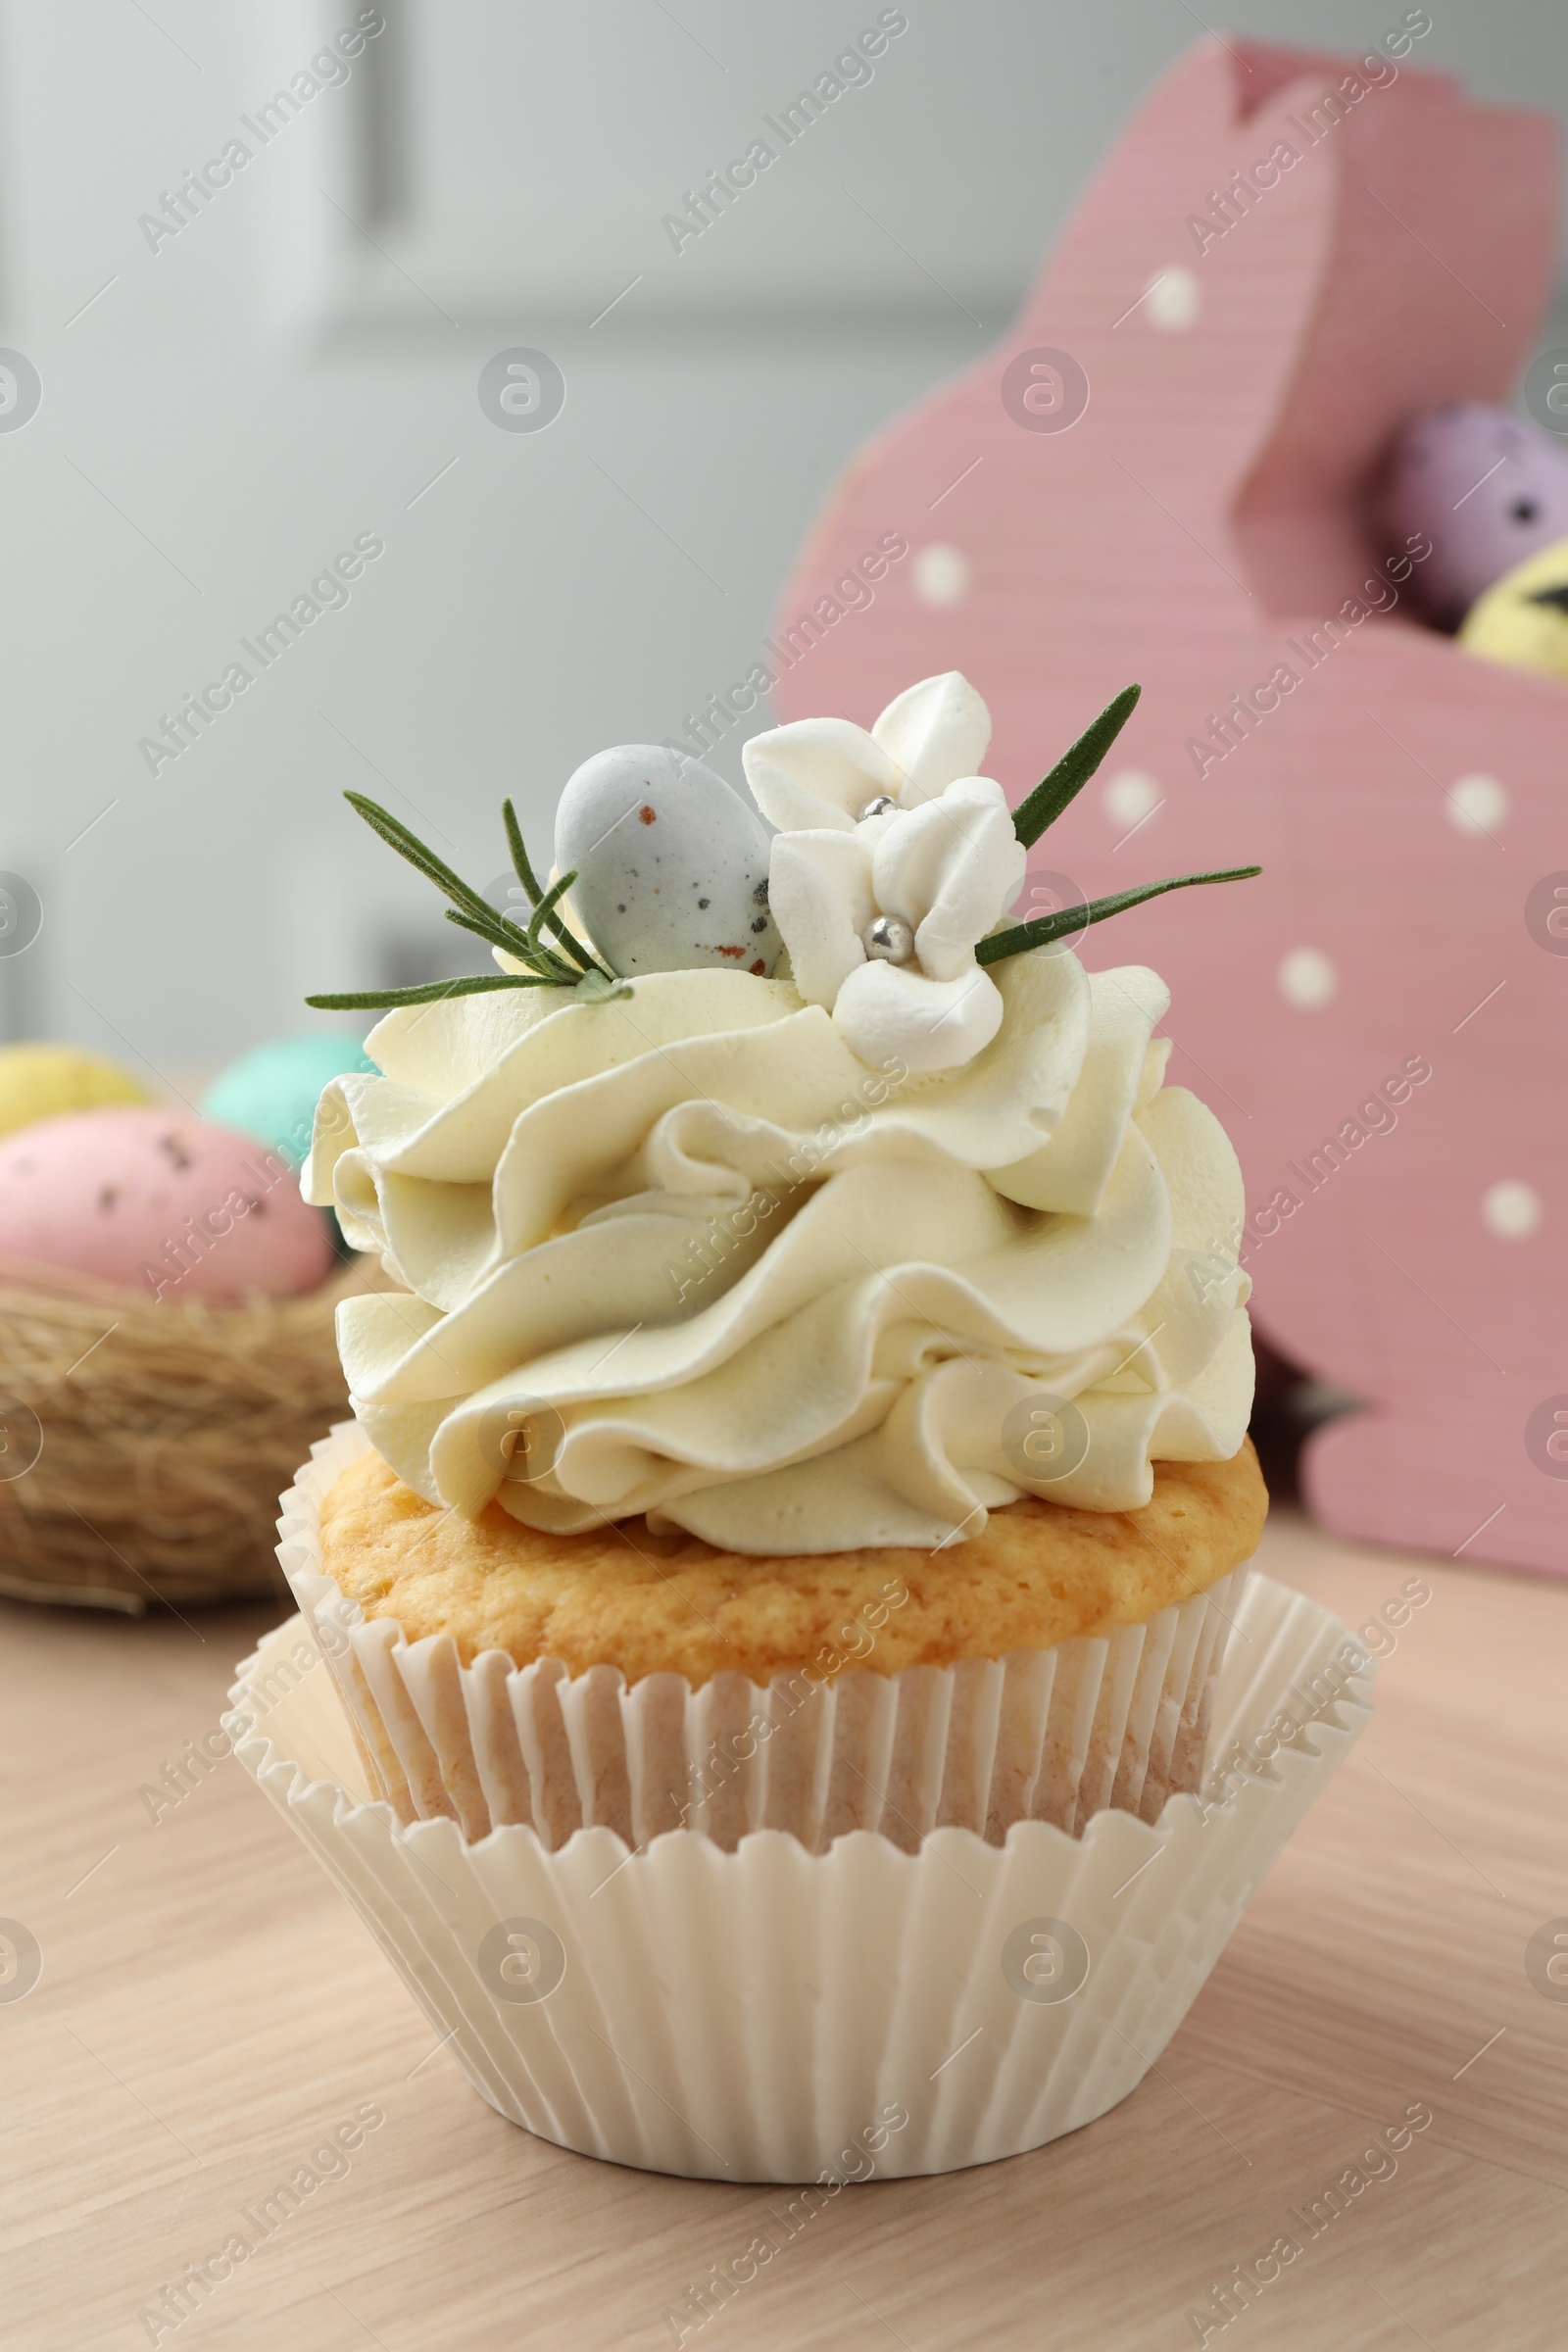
1486, 488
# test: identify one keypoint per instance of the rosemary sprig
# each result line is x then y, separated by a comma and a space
563, 961
512, 937
1045, 805
515, 943
545, 909
429, 992
565, 964
408, 844
1047, 927
1073, 769
530, 883
520, 856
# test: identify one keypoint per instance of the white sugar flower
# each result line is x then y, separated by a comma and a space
894, 858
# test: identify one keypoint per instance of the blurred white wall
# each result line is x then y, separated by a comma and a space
225, 409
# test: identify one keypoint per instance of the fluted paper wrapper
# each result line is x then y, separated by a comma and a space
770, 2014
1053, 1735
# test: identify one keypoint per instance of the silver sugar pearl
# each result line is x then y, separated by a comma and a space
888, 939
878, 806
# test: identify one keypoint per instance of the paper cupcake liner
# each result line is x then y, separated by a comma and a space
772, 2015
1054, 1734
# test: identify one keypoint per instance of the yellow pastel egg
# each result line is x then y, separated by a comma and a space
1523, 617
39, 1082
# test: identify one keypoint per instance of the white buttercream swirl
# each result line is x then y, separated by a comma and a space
684, 1253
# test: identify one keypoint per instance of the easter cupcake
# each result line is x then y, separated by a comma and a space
817, 1398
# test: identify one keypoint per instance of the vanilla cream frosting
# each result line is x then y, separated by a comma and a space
684, 1252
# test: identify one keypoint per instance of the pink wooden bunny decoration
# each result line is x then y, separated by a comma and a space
1168, 471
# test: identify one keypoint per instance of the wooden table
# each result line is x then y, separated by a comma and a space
209, 2011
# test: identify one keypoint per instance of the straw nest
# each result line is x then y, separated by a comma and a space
144, 1444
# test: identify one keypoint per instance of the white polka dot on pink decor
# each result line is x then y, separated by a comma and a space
1174, 301
942, 574
1308, 978
1129, 796
1476, 805
1511, 1209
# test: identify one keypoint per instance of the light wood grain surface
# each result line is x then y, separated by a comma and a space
210, 2010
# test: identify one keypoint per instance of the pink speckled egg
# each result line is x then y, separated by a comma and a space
161, 1202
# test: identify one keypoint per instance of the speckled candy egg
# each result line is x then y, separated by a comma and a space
1487, 489
39, 1082
158, 1201
272, 1091
672, 864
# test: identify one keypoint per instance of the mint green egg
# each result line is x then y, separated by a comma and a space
271, 1091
